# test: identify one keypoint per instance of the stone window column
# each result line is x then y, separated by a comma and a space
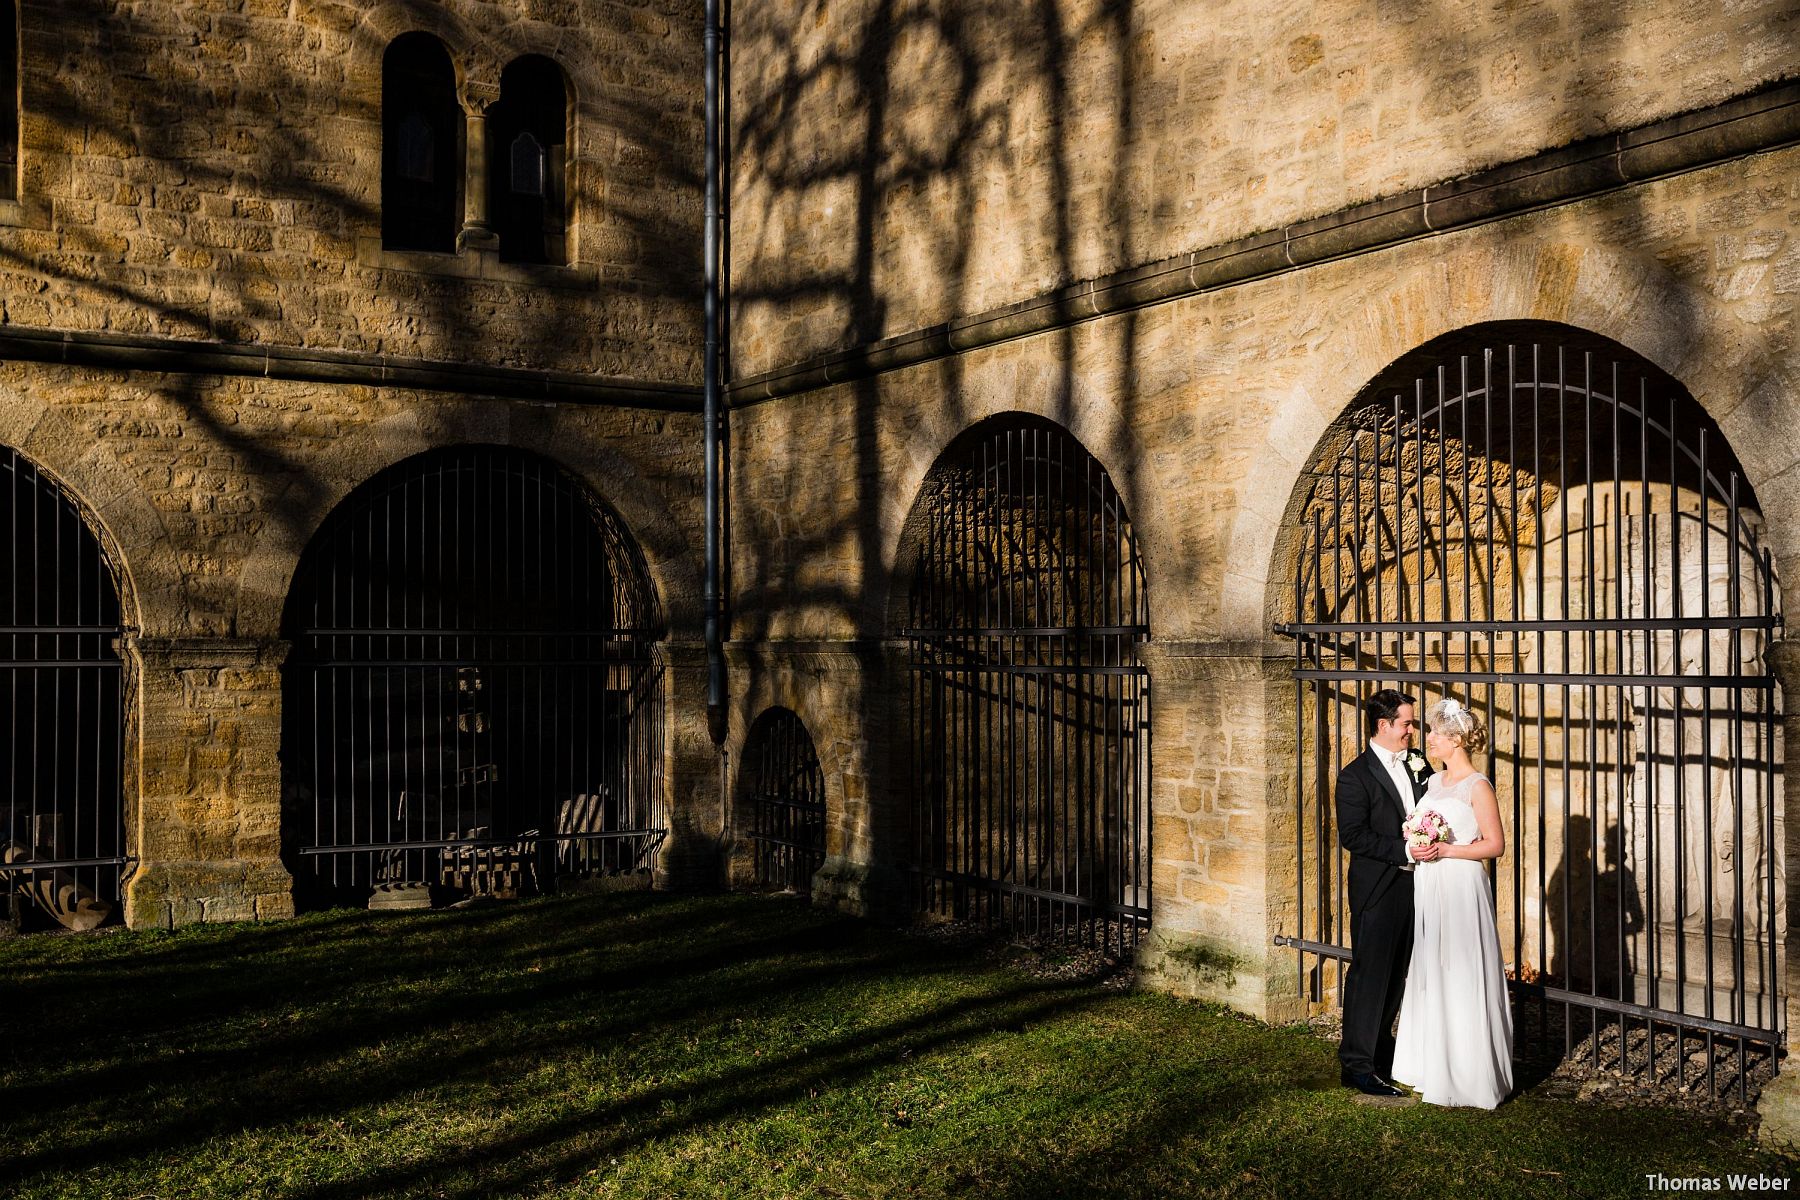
476, 233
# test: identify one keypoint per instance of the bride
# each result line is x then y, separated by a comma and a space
1455, 1040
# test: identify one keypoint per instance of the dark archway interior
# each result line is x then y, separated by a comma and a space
786, 799
472, 701
62, 813
421, 146
528, 161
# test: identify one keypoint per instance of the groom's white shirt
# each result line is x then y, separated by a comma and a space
1402, 784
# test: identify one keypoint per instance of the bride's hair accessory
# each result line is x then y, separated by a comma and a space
1449, 716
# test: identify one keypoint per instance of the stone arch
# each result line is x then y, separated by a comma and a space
66, 677
1551, 528
778, 737
533, 86
423, 129
839, 690
474, 699
362, 453
992, 388
376, 30
1026, 607
113, 500
1625, 298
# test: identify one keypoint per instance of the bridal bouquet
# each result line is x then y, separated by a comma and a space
1425, 828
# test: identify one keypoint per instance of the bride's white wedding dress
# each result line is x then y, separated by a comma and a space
1455, 1040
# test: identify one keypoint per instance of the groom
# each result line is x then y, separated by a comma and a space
1375, 794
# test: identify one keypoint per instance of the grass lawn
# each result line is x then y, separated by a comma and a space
742, 1046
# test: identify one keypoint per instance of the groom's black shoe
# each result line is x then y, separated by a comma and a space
1369, 1085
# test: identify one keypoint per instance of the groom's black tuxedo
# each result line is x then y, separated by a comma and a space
1370, 813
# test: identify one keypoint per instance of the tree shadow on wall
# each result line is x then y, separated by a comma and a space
879, 152
211, 184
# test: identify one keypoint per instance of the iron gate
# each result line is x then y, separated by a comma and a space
1554, 532
1030, 709
787, 801
62, 815
473, 699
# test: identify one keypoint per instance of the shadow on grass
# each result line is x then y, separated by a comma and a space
265, 1027
703, 1045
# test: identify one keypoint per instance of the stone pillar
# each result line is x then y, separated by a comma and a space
866, 843
476, 233
1779, 1105
1222, 825
207, 827
693, 782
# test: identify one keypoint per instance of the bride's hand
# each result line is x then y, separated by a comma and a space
1429, 853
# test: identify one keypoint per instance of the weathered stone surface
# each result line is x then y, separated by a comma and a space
909, 163
212, 173
1206, 411
219, 180
223, 182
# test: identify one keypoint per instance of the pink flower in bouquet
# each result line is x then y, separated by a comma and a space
1426, 827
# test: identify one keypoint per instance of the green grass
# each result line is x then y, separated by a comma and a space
643, 1045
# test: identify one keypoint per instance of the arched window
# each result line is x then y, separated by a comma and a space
9, 100
421, 146
527, 177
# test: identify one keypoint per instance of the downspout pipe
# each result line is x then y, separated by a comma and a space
711, 393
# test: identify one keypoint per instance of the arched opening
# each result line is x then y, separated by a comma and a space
62, 706
1550, 528
528, 161
785, 796
472, 705
421, 146
1030, 709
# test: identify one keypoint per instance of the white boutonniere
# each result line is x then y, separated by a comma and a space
1416, 764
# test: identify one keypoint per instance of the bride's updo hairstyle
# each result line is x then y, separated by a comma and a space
1449, 716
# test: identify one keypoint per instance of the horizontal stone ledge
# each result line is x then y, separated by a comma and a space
756, 652
1764, 120
1249, 662
1198, 658
201, 653
127, 352
861, 642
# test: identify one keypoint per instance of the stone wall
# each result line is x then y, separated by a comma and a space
1207, 411
201, 175
206, 491
212, 171
902, 162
